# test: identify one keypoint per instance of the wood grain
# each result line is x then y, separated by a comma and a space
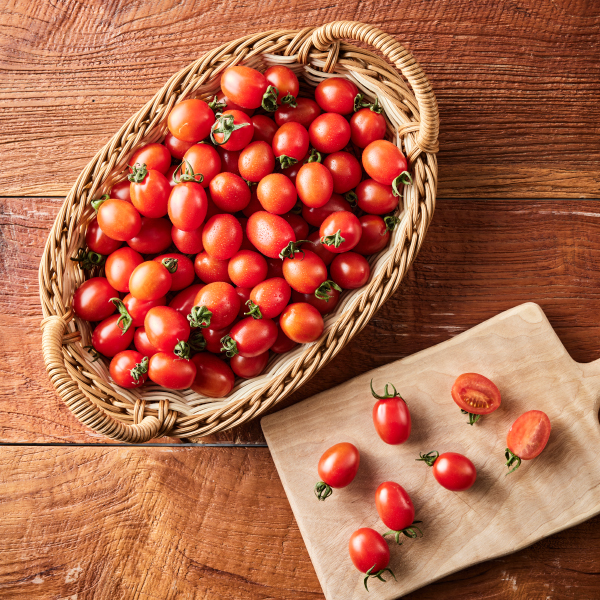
517, 81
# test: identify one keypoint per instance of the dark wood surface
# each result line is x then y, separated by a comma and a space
517, 82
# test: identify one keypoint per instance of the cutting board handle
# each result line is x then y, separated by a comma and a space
591, 380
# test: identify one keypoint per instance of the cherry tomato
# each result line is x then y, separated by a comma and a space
476, 394
165, 328
314, 184
292, 171
138, 309
374, 237
244, 86
254, 205
305, 272
249, 367
350, 270
324, 306
274, 267
98, 241
271, 296
247, 268
385, 163
340, 232
229, 160
283, 343
214, 378
155, 156
222, 99
394, 506
150, 195
222, 301
213, 339
210, 269
527, 437
316, 215
264, 129
284, 79
190, 120
183, 275
345, 170
188, 242
154, 236
222, 236
305, 112
337, 468
119, 220
233, 130
256, 161
366, 126
176, 147
246, 244
184, 301
170, 174
290, 142
140, 340
376, 198
314, 245
336, 95
120, 191
329, 133
369, 553
269, 233
170, 371
453, 471
202, 159
276, 193
150, 281
212, 207
229, 192
109, 339
299, 225
301, 322
125, 365
250, 337
91, 300
120, 265
391, 417
187, 206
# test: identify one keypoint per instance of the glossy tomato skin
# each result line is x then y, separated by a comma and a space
336, 95
329, 133
291, 139
304, 113
256, 161
229, 192
202, 159
394, 506
345, 171
222, 236
383, 161
151, 196
316, 215
188, 242
170, 371
283, 343
392, 421
323, 306
98, 241
244, 295
176, 147
374, 236
231, 105
313, 244
249, 367
264, 129
187, 205
376, 198
454, 471
138, 309
244, 86
299, 225
271, 296
150, 281
314, 183
347, 224
366, 126
165, 328
269, 233
142, 344
222, 301
339, 464
154, 156
284, 79
350, 270
184, 300
476, 394
210, 269
191, 120
241, 137
247, 268
214, 377
184, 275
301, 322
229, 160
213, 339
119, 220
120, 265
91, 300
529, 434
120, 191
153, 237
276, 193
253, 336
108, 339
305, 272
368, 550
121, 366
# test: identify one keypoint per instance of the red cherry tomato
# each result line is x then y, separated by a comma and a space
376, 198
283, 343
299, 225
314, 184
369, 553
476, 394
264, 129
183, 275
290, 142
350, 270
269, 233
222, 236
244, 295
271, 296
366, 126
170, 371
453, 471
170, 173
256, 161
385, 163
233, 130
150, 196
187, 206
222, 301
140, 340
394, 506
202, 159
188, 242
191, 120
276, 193
284, 79
176, 147
250, 337
329, 133
98, 241
184, 301
213, 339
214, 378
210, 269
229, 160
340, 226
313, 244
374, 237
345, 170
119, 220
120, 265
324, 306
316, 215
138, 309
91, 300
154, 236
301, 322
150, 281
231, 105
337, 468
155, 156
246, 244
391, 417
120, 191
274, 267
527, 437
336, 95
109, 339
229, 192
165, 328
247, 268
249, 367
305, 113
124, 364
254, 205
305, 272
244, 86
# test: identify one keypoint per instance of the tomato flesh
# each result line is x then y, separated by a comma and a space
476, 394
529, 434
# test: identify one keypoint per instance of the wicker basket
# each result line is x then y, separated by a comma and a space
314, 53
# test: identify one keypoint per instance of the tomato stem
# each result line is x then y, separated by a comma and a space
229, 346
180, 175
182, 349
512, 459
286, 161
429, 458
93, 352
390, 222
269, 101
386, 392
315, 156
216, 106
140, 369
378, 575
289, 100
405, 178
88, 260
473, 418
226, 125
360, 103
96, 204
170, 264
292, 249
322, 490
197, 342
335, 240
322, 292
376, 107
137, 173
351, 198
411, 531
199, 316
125, 320
254, 311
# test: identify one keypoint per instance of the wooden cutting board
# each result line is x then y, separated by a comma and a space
520, 352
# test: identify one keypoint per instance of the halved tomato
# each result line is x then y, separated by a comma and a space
476, 394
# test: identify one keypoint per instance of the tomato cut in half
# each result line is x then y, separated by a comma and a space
475, 395
527, 437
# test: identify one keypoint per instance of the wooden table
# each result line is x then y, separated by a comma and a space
517, 82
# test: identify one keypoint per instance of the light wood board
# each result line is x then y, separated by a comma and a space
521, 353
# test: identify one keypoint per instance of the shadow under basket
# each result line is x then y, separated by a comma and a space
394, 77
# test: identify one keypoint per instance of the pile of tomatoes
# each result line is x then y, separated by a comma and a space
234, 237
476, 395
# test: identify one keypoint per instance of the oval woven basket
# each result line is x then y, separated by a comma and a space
314, 54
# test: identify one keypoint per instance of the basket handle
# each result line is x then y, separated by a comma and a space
328, 37
83, 408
